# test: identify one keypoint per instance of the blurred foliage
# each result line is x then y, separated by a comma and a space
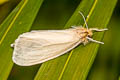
6, 6
3, 1
106, 65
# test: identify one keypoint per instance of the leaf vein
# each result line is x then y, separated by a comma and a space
9, 27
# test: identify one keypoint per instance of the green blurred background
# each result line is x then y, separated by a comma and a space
54, 14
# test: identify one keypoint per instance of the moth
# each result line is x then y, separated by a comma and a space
38, 46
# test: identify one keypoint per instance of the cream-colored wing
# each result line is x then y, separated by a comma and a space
40, 46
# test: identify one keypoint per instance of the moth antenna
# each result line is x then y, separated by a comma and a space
96, 29
84, 19
94, 40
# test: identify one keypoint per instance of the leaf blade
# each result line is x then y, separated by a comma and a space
21, 22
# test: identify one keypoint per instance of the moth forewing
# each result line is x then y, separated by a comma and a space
40, 46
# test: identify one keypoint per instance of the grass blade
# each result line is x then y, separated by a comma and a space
19, 21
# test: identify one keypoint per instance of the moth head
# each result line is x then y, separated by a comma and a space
90, 34
87, 33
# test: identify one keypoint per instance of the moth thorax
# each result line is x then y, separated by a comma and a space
83, 32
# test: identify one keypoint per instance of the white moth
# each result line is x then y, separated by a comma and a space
38, 46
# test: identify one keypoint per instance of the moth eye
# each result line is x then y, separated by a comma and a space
89, 35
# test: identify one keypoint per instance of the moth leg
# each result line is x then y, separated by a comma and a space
85, 42
90, 39
96, 29
74, 27
12, 45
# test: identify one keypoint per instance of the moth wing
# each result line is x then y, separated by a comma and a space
40, 46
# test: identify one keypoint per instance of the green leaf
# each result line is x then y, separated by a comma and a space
106, 65
19, 21
76, 64
3, 1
